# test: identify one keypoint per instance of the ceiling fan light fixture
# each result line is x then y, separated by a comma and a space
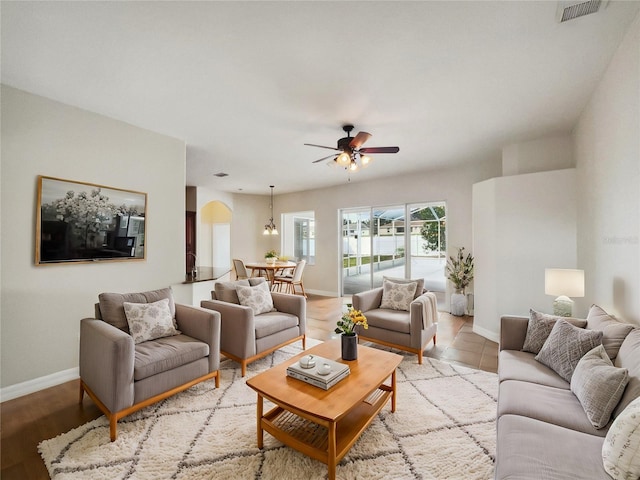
365, 160
353, 166
344, 159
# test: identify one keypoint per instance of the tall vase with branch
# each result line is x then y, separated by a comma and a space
459, 271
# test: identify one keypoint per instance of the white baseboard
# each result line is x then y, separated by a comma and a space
31, 386
488, 334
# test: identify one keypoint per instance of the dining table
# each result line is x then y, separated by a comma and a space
269, 270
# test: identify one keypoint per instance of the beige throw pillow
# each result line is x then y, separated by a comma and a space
419, 283
258, 298
613, 331
148, 321
397, 296
112, 311
598, 385
622, 444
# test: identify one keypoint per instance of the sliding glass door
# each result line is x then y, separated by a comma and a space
356, 250
428, 244
378, 242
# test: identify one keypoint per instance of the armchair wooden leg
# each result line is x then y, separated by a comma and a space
81, 391
420, 357
218, 379
434, 340
243, 367
113, 422
304, 342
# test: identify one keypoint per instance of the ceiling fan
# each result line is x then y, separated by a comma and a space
351, 154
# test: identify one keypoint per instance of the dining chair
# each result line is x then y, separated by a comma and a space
240, 269
291, 281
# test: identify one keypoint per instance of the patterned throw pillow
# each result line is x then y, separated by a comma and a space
598, 385
148, 321
539, 328
419, 283
397, 296
258, 298
565, 347
622, 444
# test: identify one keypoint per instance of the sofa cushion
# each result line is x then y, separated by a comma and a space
539, 328
516, 365
621, 448
148, 321
165, 354
565, 347
226, 291
613, 331
394, 320
419, 283
112, 309
397, 296
598, 385
629, 358
531, 449
273, 322
257, 298
547, 404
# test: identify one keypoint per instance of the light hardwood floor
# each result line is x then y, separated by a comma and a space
28, 420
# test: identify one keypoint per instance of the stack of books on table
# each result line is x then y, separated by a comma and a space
312, 376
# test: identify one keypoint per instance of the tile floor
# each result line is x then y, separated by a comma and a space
456, 342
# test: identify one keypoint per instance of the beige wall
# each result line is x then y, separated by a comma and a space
607, 147
250, 213
42, 306
522, 225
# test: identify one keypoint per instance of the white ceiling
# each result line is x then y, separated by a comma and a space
245, 84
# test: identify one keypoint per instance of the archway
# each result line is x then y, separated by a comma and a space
215, 234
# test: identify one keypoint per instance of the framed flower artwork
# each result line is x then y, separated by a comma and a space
85, 222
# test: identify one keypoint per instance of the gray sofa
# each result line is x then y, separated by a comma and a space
543, 431
245, 336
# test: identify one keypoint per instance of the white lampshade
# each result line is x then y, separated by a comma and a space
563, 281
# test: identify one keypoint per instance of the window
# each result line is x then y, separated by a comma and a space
299, 236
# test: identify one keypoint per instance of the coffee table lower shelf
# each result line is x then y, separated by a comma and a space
324, 440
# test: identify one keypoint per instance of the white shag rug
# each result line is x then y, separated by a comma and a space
443, 428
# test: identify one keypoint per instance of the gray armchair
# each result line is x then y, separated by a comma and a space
122, 377
405, 330
245, 337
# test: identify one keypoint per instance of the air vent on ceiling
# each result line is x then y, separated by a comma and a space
220, 174
569, 10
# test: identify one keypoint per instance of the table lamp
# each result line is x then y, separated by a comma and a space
564, 283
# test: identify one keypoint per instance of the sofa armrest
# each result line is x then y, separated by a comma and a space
107, 357
203, 325
237, 327
513, 330
369, 300
294, 305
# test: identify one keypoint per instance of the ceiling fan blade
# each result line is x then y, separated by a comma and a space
380, 150
323, 158
322, 146
359, 139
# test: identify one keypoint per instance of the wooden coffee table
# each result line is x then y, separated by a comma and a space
324, 424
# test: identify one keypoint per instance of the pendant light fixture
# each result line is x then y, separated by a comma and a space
270, 228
